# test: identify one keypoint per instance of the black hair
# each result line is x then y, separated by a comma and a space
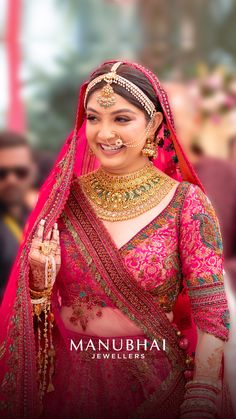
12, 139
196, 149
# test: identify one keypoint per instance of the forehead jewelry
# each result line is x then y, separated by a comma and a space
107, 95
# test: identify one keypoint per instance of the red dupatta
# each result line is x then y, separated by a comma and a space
18, 376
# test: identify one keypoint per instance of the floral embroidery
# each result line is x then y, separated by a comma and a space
226, 318
209, 232
202, 263
198, 281
85, 297
166, 295
15, 346
84, 305
152, 255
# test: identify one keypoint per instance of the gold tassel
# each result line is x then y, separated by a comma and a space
51, 354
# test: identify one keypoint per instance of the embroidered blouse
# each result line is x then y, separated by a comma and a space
180, 247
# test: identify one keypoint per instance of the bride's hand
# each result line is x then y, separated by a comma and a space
40, 249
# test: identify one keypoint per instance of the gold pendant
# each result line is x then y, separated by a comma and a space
106, 98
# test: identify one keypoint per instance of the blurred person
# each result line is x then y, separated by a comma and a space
232, 149
123, 247
184, 101
218, 177
44, 161
16, 177
213, 172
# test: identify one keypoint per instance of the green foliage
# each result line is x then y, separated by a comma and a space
51, 111
99, 31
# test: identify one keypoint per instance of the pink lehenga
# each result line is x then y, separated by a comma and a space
172, 264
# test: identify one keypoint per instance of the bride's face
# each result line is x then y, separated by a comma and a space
123, 120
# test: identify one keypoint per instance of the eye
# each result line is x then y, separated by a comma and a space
122, 119
91, 117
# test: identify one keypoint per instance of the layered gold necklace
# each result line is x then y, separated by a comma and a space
118, 198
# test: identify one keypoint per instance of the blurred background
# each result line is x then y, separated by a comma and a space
48, 47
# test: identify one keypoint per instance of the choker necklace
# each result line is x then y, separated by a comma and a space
118, 198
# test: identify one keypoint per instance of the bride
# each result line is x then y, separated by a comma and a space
123, 248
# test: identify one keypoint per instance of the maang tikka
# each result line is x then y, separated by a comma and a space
107, 95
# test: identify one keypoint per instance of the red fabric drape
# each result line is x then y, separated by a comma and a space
15, 115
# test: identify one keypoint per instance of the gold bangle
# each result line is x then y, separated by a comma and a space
39, 294
37, 301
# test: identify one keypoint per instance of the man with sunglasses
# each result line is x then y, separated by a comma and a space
17, 170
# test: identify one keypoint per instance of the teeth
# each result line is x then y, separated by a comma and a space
107, 147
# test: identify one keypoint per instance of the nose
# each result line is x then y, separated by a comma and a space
105, 133
11, 178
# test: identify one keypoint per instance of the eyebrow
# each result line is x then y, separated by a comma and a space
112, 113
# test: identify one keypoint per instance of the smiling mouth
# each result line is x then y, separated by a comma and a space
111, 147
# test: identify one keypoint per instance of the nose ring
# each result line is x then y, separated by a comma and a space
118, 140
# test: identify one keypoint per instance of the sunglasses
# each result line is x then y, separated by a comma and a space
19, 172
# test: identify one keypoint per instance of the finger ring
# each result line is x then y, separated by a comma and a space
45, 248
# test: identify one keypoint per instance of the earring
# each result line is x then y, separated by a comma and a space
91, 152
150, 149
